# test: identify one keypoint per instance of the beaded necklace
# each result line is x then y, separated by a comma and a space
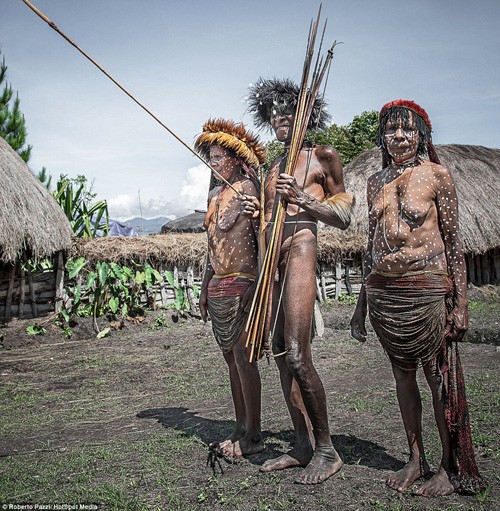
400, 169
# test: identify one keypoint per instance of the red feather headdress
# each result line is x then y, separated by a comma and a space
411, 105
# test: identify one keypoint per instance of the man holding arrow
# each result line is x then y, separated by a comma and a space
314, 193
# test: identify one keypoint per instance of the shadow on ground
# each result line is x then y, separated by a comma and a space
353, 450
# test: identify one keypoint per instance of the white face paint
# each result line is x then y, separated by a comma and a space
222, 161
402, 140
282, 120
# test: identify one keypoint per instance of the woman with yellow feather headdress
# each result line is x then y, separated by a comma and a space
231, 269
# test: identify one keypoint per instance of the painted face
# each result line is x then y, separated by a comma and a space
282, 119
402, 139
223, 161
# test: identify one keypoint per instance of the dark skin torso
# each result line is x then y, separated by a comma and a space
318, 175
232, 236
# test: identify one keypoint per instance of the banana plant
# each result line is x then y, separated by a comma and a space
86, 218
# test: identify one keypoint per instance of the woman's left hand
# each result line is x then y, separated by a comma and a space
457, 323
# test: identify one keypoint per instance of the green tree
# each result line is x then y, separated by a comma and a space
351, 140
12, 124
45, 178
273, 150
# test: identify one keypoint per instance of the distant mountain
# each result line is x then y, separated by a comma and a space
147, 225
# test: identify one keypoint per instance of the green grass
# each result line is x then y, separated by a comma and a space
114, 474
152, 465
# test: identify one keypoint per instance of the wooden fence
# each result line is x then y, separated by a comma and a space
28, 295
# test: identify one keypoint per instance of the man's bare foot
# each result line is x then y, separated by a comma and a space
251, 444
438, 486
324, 463
294, 458
404, 478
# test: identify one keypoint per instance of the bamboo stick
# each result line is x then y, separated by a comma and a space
34, 310
59, 284
189, 289
22, 291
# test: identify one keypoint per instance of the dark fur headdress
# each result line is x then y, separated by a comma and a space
399, 110
273, 92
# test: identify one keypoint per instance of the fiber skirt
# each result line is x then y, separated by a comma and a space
224, 307
408, 314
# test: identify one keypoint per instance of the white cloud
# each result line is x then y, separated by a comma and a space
192, 195
194, 189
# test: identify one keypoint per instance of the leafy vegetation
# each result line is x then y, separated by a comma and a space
107, 288
87, 218
181, 303
35, 330
350, 141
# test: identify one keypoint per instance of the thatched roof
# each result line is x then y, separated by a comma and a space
188, 223
476, 170
189, 249
30, 218
168, 250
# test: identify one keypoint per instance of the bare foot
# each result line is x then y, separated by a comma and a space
325, 462
231, 439
438, 486
245, 446
404, 478
230, 450
294, 458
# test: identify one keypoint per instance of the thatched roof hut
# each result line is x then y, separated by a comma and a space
476, 170
32, 226
189, 223
31, 220
181, 250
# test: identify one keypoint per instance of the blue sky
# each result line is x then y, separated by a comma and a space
189, 60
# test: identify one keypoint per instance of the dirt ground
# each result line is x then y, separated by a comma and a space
124, 421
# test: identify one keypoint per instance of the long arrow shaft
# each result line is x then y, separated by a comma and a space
87, 56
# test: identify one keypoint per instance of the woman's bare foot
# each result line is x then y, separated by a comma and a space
438, 486
231, 439
245, 446
404, 478
294, 458
324, 463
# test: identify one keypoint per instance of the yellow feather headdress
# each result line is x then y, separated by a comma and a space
231, 135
